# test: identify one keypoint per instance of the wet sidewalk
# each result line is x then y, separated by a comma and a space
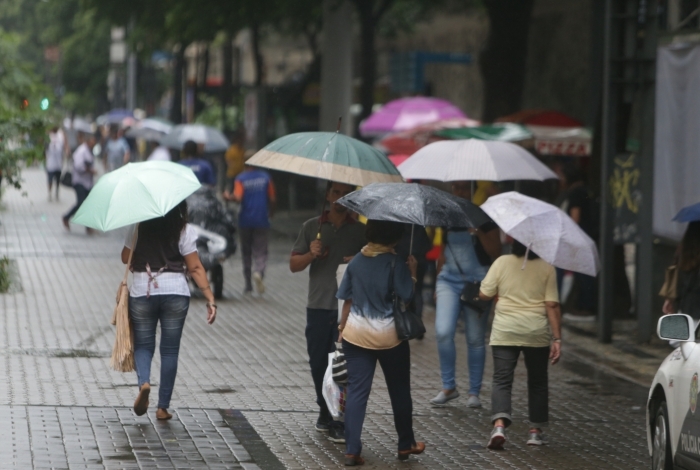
243, 396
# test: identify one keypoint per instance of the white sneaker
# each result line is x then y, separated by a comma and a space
473, 402
259, 284
536, 439
498, 438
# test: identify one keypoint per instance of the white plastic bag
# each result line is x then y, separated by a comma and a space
333, 393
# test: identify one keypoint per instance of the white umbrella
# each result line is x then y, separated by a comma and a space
472, 159
546, 229
213, 139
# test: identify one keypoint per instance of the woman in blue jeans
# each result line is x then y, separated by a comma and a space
466, 257
159, 292
368, 334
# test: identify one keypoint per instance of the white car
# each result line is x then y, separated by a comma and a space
673, 415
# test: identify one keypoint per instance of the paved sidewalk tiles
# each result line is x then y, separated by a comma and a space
243, 396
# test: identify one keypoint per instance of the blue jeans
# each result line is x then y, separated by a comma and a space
447, 312
396, 365
145, 312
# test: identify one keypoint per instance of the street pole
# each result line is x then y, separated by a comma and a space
606, 288
131, 75
645, 249
336, 65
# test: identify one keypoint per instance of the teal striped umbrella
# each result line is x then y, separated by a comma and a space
327, 155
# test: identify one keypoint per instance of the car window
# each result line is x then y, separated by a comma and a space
697, 331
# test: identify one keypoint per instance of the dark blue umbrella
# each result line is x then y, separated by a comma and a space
688, 214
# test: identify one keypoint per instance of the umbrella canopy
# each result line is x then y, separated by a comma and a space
398, 159
327, 155
408, 142
414, 204
505, 132
156, 124
546, 229
688, 214
134, 193
471, 159
212, 139
145, 134
407, 113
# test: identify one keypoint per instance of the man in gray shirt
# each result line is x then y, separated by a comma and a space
323, 244
83, 174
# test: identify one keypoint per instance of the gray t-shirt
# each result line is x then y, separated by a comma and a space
347, 240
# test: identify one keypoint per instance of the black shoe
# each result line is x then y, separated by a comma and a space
336, 433
323, 424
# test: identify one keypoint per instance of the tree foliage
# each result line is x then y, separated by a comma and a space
22, 123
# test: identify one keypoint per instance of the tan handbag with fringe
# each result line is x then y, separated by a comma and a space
123, 350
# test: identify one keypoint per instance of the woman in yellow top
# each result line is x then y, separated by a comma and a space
527, 319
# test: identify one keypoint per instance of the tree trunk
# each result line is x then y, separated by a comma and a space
504, 59
176, 108
368, 60
257, 56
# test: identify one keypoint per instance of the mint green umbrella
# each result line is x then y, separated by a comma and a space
502, 132
134, 193
327, 155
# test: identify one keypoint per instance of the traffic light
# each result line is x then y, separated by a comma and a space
44, 104
24, 104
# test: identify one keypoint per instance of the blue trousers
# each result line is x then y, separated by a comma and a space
396, 365
447, 311
145, 313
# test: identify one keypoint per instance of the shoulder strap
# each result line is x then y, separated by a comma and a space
459, 268
131, 252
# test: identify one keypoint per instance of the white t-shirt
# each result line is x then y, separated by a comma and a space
54, 152
168, 283
160, 153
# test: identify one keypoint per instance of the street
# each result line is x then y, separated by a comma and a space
243, 396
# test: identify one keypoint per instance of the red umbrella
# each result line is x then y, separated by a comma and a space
398, 159
541, 117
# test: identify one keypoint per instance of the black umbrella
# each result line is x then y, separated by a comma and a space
414, 204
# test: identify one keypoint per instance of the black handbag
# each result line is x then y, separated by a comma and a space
470, 293
409, 324
67, 179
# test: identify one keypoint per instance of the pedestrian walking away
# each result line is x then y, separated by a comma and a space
466, 257
54, 158
117, 150
324, 243
159, 292
682, 287
83, 174
255, 191
528, 320
368, 334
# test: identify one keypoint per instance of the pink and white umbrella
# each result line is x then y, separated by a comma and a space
407, 113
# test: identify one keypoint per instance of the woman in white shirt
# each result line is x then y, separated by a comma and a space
159, 292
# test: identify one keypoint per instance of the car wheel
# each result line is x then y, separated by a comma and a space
661, 458
217, 280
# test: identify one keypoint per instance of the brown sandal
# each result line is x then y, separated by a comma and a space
141, 403
353, 460
162, 414
416, 449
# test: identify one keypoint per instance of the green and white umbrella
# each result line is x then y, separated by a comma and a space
327, 155
134, 193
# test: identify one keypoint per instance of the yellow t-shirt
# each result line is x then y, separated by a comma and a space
235, 160
521, 317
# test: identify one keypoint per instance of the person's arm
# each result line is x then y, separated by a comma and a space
554, 318
299, 262
197, 272
347, 304
489, 285
237, 194
669, 306
491, 241
575, 214
125, 254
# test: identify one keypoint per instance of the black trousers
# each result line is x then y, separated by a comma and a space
505, 359
81, 193
321, 335
396, 365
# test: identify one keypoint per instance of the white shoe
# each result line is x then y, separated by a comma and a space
259, 284
473, 402
498, 438
441, 399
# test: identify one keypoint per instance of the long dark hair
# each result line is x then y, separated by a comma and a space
519, 250
169, 227
690, 248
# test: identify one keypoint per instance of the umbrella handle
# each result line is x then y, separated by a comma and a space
410, 249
